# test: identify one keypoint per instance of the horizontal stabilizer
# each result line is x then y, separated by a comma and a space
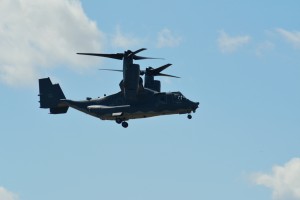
59, 110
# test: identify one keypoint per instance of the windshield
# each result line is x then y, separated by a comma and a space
178, 97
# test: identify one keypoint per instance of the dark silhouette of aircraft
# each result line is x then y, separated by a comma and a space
135, 100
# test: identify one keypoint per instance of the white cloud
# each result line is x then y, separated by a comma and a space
284, 180
228, 44
167, 39
125, 41
38, 35
7, 195
291, 37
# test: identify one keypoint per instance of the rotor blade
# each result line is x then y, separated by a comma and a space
114, 70
160, 74
118, 56
138, 51
160, 69
142, 58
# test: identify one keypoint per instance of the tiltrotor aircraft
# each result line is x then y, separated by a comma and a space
134, 101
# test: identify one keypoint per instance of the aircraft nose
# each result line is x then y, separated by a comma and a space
196, 105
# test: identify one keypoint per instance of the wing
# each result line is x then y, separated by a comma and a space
103, 107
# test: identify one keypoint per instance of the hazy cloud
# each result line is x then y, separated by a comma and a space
7, 195
121, 40
264, 47
38, 35
228, 44
166, 38
292, 37
284, 180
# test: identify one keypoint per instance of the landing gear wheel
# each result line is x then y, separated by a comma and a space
189, 116
119, 121
125, 124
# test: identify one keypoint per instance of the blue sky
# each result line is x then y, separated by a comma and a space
240, 60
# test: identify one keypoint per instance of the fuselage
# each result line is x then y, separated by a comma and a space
149, 104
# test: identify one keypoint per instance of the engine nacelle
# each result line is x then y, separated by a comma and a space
156, 86
131, 81
152, 84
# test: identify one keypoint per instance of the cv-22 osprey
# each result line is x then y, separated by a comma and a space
134, 100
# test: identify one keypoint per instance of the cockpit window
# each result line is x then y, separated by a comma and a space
178, 97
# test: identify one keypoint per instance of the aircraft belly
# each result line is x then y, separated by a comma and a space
143, 114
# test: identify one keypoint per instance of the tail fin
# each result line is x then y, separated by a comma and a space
50, 96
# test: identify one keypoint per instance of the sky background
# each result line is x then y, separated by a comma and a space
239, 59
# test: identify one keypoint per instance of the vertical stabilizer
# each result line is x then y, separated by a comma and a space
51, 96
